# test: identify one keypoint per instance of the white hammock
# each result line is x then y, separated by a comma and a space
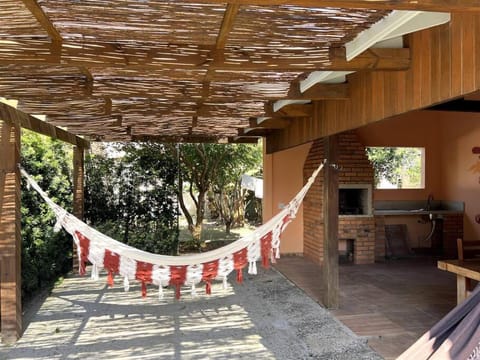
162, 270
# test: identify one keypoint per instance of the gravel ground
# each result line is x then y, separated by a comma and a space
266, 317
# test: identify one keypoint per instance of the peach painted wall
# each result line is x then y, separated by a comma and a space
414, 129
283, 178
460, 133
448, 138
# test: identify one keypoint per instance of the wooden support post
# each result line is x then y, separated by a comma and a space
78, 191
330, 219
10, 238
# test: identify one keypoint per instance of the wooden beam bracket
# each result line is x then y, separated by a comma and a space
26, 121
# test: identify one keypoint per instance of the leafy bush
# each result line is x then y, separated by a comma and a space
133, 197
46, 255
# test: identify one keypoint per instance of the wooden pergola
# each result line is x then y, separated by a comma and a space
211, 71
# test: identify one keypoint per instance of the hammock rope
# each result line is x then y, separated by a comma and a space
162, 270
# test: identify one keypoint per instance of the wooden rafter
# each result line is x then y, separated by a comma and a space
258, 132
124, 72
294, 110
373, 59
227, 25
319, 92
42, 18
424, 5
14, 116
88, 80
176, 139
271, 123
244, 139
222, 37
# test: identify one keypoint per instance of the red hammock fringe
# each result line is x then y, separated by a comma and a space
178, 275
240, 260
266, 249
209, 272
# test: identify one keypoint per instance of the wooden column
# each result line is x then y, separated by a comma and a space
10, 238
330, 219
78, 191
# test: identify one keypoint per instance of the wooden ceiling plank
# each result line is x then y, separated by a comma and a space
423, 5
26, 121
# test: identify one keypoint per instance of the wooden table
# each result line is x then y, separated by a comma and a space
465, 270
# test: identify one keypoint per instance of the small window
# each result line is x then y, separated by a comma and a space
398, 167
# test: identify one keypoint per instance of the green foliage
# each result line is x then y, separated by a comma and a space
216, 168
45, 254
253, 208
133, 197
400, 166
229, 197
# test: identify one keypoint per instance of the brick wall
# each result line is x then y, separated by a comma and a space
380, 238
354, 169
452, 230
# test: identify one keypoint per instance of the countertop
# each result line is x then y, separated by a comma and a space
416, 207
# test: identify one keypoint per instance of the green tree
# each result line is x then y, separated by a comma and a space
401, 166
229, 197
133, 197
215, 167
45, 254
200, 164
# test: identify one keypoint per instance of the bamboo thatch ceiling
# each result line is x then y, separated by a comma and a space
166, 70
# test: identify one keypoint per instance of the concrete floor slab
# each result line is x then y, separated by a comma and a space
266, 317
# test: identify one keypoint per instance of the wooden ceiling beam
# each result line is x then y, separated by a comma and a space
255, 132
475, 96
371, 59
26, 121
222, 60
320, 92
144, 94
225, 28
244, 139
293, 110
176, 139
271, 123
47, 25
88, 81
227, 25
423, 5
86, 120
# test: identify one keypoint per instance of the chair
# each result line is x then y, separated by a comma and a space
468, 250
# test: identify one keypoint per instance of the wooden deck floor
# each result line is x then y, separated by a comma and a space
391, 304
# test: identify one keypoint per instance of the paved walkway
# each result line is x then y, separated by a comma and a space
264, 318
390, 304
